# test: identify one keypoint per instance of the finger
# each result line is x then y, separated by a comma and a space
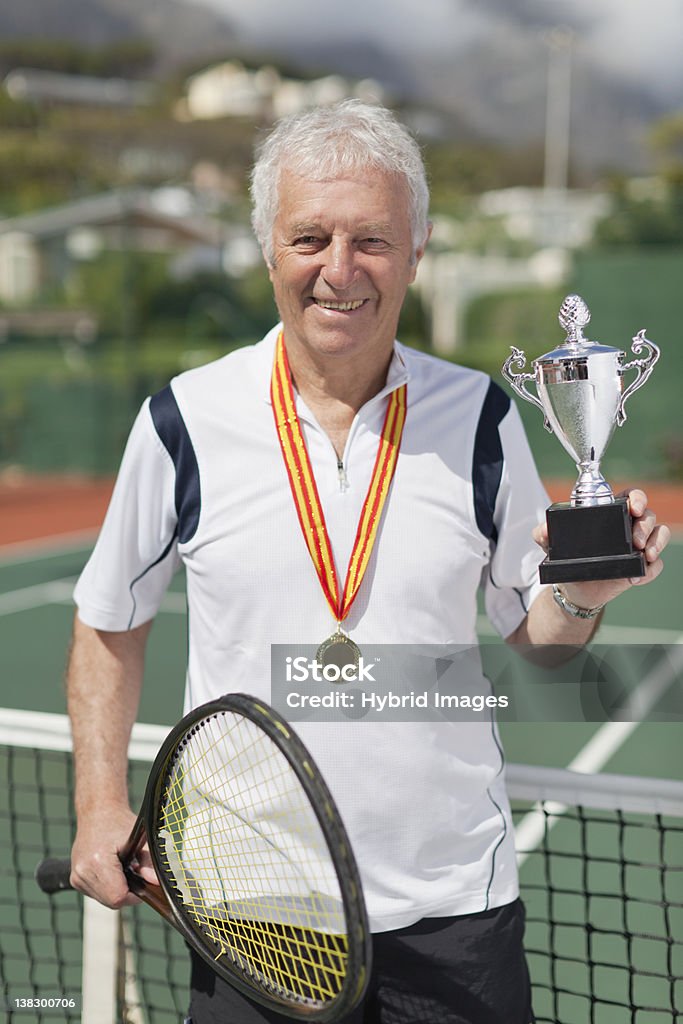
540, 535
102, 880
643, 528
651, 573
637, 501
657, 541
147, 872
144, 867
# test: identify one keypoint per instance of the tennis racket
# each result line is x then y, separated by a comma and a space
254, 865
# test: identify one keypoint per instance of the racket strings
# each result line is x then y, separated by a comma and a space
241, 844
249, 861
289, 961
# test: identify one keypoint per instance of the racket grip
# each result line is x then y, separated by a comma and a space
53, 873
152, 895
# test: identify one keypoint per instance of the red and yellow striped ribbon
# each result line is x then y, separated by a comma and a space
305, 491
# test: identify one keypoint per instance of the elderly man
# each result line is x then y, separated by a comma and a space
340, 209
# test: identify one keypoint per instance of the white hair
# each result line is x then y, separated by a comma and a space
345, 138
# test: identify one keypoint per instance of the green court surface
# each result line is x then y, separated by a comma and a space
35, 621
36, 612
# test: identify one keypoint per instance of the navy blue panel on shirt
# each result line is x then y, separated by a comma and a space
487, 461
170, 426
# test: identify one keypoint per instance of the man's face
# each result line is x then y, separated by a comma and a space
343, 260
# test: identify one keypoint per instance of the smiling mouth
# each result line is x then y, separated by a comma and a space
342, 307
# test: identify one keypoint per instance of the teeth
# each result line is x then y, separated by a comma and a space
343, 306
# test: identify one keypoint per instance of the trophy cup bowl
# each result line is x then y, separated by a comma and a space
580, 391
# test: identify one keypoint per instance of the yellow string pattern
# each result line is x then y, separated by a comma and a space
247, 858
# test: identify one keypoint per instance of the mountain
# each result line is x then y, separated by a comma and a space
493, 86
495, 89
500, 85
179, 32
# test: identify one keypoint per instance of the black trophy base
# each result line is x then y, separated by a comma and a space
590, 542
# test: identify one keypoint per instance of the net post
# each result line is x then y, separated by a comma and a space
100, 962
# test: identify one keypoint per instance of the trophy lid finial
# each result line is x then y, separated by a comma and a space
573, 316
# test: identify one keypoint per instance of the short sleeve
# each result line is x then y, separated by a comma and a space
511, 581
136, 554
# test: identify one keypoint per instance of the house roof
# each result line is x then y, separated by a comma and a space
40, 84
133, 206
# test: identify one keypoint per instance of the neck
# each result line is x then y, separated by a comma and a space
335, 388
352, 378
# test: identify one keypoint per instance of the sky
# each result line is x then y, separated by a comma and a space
640, 39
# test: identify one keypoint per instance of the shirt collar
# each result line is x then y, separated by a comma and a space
397, 374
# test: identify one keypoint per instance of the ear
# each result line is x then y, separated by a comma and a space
420, 251
270, 265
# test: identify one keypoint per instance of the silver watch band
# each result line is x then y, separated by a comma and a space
574, 609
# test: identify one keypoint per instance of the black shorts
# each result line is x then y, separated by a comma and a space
442, 970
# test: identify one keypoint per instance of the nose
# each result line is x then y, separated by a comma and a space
339, 269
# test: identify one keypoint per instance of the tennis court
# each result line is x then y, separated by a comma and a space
577, 983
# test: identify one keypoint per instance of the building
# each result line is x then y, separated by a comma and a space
35, 85
38, 250
230, 89
563, 218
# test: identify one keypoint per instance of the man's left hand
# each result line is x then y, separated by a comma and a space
648, 536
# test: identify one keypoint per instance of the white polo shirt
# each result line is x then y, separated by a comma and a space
203, 482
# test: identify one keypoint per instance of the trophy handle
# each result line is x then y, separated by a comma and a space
643, 368
518, 381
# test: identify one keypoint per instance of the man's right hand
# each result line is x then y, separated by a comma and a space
95, 866
103, 689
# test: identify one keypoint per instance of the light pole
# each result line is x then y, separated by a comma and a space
560, 41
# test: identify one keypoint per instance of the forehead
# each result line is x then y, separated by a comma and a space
371, 197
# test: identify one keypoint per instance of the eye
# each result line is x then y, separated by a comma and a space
308, 242
373, 244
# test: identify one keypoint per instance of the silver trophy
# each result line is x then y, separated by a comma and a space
580, 391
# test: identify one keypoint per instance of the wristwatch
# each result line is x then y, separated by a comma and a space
574, 609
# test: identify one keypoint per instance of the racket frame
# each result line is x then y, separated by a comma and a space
163, 898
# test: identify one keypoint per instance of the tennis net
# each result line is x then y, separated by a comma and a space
601, 869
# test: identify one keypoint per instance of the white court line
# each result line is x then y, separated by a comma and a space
608, 634
46, 547
591, 758
636, 635
52, 547
61, 592
52, 592
602, 745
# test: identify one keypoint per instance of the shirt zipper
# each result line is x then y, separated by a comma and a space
341, 473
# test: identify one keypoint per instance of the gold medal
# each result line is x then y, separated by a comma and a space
339, 649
